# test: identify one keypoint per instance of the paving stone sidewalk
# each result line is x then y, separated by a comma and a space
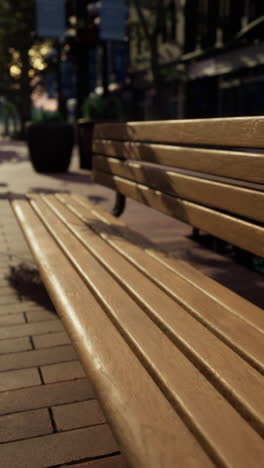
49, 416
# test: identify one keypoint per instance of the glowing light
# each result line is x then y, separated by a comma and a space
73, 20
99, 90
113, 86
15, 71
39, 64
15, 53
45, 49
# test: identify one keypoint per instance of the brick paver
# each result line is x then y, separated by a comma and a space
31, 306
40, 315
19, 379
15, 345
48, 412
25, 425
13, 319
85, 413
6, 299
50, 340
4, 283
36, 358
44, 396
7, 291
17, 307
30, 329
59, 372
55, 449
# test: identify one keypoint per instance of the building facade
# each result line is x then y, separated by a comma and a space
211, 57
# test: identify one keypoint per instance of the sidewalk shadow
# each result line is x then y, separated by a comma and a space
11, 196
74, 177
25, 279
11, 156
46, 191
93, 198
96, 199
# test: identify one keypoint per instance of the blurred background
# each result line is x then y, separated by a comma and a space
129, 60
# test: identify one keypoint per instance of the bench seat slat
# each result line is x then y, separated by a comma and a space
242, 335
174, 373
214, 290
193, 338
231, 198
247, 166
238, 232
232, 327
149, 431
238, 132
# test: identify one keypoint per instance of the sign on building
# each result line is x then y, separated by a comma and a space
113, 20
50, 18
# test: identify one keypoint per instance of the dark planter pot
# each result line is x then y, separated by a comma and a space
50, 145
84, 136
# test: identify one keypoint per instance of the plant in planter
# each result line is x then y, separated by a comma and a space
95, 109
50, 141
103, 108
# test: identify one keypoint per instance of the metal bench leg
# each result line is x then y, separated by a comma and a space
195, 233
120, 204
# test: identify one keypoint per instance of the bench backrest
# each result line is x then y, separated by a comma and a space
208, 173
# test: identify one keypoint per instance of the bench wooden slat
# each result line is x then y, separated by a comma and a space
211, 288
189, 334
231, 198
238, 232
218, 317
149, 431
239, 132
178, 377
224, 163
246, 336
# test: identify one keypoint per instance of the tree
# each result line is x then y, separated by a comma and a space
152, 16
17, 24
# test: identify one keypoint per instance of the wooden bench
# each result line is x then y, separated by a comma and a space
176, 359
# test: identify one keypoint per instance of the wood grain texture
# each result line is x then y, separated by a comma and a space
187, 332
239, 131
235, 304
245, 235
247, 166
219, 316
184, 385
231, 198
149, 430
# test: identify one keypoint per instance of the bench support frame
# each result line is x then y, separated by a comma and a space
120, 205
